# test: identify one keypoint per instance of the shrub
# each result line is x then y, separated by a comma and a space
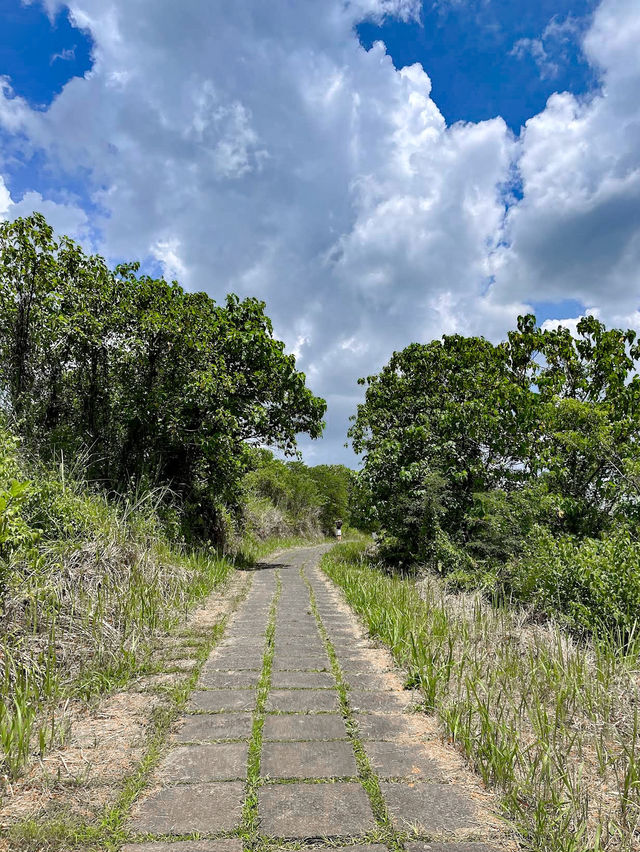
594, 584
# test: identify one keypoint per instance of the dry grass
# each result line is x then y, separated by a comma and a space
575, 701
79, 622
550, 723
105, 742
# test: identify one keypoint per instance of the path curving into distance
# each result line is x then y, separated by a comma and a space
300, 733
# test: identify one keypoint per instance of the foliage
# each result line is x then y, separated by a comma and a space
593, 583
299, 499
159, 386
500, 522
514, 466
587, 393
440, 423
334, 486
477, 440
85, 583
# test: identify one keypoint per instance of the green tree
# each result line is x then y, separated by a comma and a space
156, 385
476, 442
440, 423
334, 485
585, 440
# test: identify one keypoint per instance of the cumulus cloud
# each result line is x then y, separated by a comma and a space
65, 218
259, 148
576, 232
5, 199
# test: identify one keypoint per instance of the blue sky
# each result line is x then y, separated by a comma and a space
40, 54
476, 58
275, 150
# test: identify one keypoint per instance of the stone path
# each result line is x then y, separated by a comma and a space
297, 735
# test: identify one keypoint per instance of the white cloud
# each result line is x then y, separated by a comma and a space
550, 50
576, 232
65, 55
5, 199
258, 148
569, 322
64, 217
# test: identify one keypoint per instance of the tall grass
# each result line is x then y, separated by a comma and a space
80, 609
551, 724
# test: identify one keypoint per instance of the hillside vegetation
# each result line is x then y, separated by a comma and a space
132, 478
514, 467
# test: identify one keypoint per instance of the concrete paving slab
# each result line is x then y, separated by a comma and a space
314, 810
301, 665
302, 680
205, 808
361, 666
308, 760
296, 635
385, 726
377, 702
354, 656
192, 764
353, 649
219, 700
449, 847
248, 659
308, 641
228, 680
215, 726
302, 726
401, 760
429, 808
186, 846
367, 681
235, 663
364, 847
300, 648
302, 700
296, 651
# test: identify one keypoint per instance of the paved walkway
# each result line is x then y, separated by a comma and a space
295, 734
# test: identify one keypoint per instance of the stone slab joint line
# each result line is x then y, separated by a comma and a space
250, 818
366, 774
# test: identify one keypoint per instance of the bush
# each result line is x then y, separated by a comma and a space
593, 584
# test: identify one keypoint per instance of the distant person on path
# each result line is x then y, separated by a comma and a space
339, 529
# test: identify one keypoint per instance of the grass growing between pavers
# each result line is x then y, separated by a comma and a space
250, 820
109, 831
551, 724
368, 778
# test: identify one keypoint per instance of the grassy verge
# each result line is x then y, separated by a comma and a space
79, 616
552, 725
368, 778
108, 832
83, 624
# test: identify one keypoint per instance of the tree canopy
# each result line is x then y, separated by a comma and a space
154, 384
446, 423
